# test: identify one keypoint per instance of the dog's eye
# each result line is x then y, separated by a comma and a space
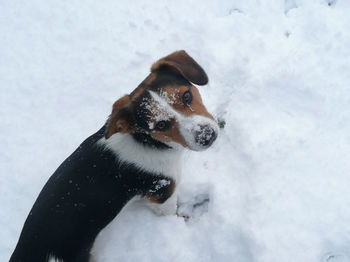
163, 125
187, 97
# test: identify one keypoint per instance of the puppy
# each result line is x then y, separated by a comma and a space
136, 153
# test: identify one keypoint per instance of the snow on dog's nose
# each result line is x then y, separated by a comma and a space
199, 132
205, 136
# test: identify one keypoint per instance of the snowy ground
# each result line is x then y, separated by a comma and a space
278, 177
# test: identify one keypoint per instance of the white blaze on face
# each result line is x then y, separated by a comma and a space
159, 109
195, 129
170, 100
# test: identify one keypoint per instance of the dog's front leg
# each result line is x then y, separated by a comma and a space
163, 197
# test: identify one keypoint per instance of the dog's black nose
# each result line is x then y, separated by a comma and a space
206, 136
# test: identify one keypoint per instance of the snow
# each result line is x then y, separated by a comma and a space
277, 178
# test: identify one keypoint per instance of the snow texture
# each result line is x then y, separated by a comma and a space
275, 185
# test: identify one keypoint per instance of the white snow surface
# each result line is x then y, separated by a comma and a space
278, 176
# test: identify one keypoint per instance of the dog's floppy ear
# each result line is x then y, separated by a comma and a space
119, 121
182, 63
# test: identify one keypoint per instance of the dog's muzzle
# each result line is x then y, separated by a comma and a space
199, 132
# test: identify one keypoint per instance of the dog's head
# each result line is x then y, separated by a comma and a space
166, 109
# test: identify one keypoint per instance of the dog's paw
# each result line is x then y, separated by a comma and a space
194, 204
169, 207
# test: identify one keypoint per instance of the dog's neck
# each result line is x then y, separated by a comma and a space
160, 161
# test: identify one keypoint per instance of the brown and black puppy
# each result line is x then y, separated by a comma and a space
136, 153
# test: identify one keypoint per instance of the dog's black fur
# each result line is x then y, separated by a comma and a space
75, 204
